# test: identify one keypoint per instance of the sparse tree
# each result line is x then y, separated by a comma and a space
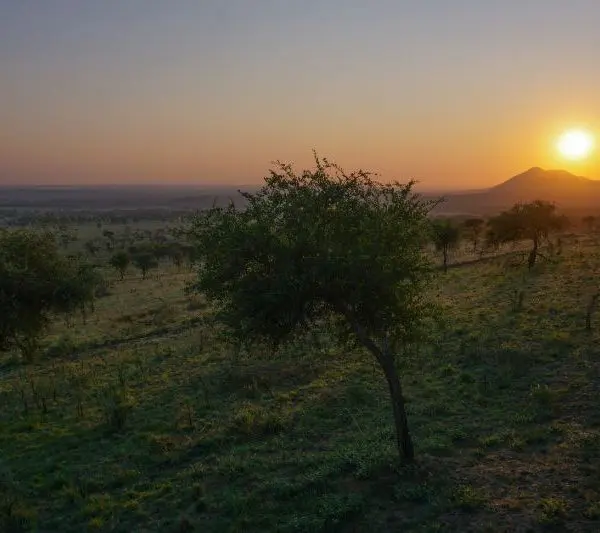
145, 261
77, 292
92, 247
590, 223
472, 229
36, 281
533, 221
446, 236
299, 253
176, 254
110, 238
65, 239
120, 261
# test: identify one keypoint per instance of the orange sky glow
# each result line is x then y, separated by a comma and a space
457, 98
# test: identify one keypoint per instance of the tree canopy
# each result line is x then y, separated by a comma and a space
533, 221
144, 261
120, 261
472, 229
590, 222
318, 244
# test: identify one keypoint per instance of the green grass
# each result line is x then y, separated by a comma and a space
146, 419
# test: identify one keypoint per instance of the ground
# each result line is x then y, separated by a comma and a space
146, 419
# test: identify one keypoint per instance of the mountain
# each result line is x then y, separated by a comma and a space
567, 190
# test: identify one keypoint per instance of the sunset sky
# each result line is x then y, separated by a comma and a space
457, 94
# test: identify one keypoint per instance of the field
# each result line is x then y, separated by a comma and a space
145, 418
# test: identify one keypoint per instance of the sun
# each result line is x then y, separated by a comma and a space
575, 144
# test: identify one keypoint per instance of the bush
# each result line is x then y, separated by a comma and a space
36, 281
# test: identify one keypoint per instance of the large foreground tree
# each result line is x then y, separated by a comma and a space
36, 281
319, 245
533, 221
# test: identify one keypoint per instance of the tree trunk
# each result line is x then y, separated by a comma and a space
385, 358
445, 259
591, 308
403, 437
533, 253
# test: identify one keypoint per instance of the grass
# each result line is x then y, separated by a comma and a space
146, 419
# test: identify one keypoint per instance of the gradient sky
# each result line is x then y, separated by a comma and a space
457, 94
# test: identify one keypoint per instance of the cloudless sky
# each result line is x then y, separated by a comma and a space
455, 93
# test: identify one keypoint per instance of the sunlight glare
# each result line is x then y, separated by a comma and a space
575, 144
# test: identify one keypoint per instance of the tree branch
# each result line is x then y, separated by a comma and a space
360, 332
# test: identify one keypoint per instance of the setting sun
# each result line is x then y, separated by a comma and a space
575, 144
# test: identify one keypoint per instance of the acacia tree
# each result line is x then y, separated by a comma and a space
77, 291
36, 281
145, 261
473, 228
120, 261
446, 236
319, 245
110, 238
533, 221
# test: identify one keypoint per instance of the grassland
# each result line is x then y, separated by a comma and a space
146, 419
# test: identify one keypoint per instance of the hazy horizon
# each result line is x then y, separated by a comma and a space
458, 96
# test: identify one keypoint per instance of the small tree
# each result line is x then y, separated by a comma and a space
318, 245
145, 261
92, 247
590, 223
175, 254
110, 238
533, 221
446, 236
120, 261
472, 229
36, 281
77, 292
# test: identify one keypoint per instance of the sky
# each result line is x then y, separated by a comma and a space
457, 94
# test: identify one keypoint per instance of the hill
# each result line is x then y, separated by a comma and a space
565, 189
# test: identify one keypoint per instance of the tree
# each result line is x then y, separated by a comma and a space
317, 246
590, 222
175, 253
533, 221
77, 292
36, 281
92, 247
110, 238
446, 236
65, 239
145, 261
473, 228
120, 261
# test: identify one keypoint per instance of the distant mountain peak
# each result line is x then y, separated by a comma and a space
537, 176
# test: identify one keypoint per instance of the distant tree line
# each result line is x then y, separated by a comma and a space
532, 222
